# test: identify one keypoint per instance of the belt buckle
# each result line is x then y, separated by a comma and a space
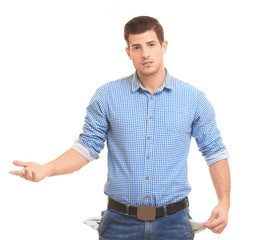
146, 213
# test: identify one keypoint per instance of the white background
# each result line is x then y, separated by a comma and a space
53, 56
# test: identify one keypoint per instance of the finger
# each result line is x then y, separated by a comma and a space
34, 177
218, 229
218, 225
20, 163
213, 224
14, 172
18, 172
28, 174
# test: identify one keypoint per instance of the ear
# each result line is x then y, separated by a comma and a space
128, 52
164, 46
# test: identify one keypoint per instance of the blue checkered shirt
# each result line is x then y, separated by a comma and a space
148, 138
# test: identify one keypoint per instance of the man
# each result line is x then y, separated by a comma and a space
148, 120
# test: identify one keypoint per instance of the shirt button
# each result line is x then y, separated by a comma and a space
148, 157
150, 117
151, 98
149, 138
147, 178
146, 197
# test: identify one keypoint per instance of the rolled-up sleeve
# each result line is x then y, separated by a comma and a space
206, 133
92, 140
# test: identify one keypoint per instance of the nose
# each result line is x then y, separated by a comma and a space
145, 53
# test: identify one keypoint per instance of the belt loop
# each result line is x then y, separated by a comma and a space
126, 209
165, 211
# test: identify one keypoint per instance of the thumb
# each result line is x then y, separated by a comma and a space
212, 217
20, 163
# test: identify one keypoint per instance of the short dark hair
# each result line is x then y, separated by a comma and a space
142, 24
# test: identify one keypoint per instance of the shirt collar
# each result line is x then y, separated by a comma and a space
136, 83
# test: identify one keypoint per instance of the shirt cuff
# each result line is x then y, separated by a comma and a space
89, 153
217, 157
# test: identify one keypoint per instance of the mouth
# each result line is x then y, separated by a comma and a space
147, 63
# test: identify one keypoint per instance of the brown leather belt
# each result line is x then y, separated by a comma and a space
149, 213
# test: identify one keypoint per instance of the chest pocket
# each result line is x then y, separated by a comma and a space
177, 120
175, 123
173, 129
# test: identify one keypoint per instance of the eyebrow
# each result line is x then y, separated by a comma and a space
137, 44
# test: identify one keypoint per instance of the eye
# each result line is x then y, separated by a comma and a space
136, 48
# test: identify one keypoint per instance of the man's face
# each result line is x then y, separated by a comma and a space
146, 52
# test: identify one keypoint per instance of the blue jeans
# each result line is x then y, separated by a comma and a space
119, 226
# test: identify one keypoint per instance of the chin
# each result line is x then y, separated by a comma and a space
149, 72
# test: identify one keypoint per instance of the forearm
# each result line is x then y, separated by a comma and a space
220, 174
68, 162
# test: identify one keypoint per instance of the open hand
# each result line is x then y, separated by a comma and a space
31, 171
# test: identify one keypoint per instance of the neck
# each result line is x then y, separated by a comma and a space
153, 81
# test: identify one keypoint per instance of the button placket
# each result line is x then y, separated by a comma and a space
148, 151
